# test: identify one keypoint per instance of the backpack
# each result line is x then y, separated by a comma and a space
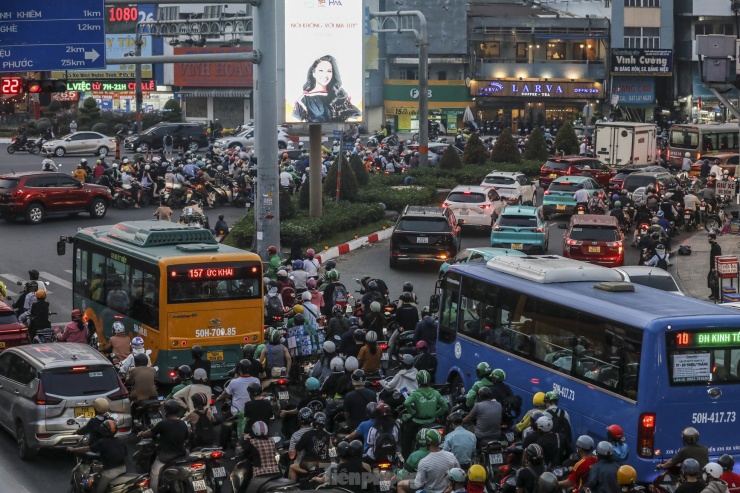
684, 250
339, 296
203, 433
662, 263
385, 446
561, 426
274, 307
376, 296
512, 406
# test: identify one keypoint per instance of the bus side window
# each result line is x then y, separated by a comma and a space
82, 278
551, 326
448, 319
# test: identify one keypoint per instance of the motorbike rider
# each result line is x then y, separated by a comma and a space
728, 476
582, 196
627, 477
352, 342
129, 182
311, 312
596, 205
311, 265
112, 454
202, 435
259, 451
502, 393
329, 291
619, 214
579, 472
76, 330
173, 435
385, 424
182, 379
373, 320
538, 401
275, 358
425, 360
309, 446
561, 421
137, 347
258, 408
119, 345
660, 256
38, 314
248, 352
691, 449
483, 371
48, 164
338, 325
375, 290
615, 436
552, 445
412, 461
403, 381
238, 389
460, 441
322, 369
486, 415
602, 477
691, 202
199, 362
370, 354
350, 466
423, 406
407, 313
330, 385
533, 466
184, 396
690, 481
426, 330
274, 263
92, 427
432, 472
299, 277
712, 476
141, 380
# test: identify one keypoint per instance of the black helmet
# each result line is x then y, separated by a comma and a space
305, 416
245, 367
184, 372
199, 400
171, 407
485, 394
726, 461
196, 352
690, 435
372, 286
407, 297
254, 389
358, 377
548, 483
359, 335
456, 418
33, 274
248, 351
408, 287
141, 359
343, 450
355, 448
319, 420
330, 264
534, 453
299, 319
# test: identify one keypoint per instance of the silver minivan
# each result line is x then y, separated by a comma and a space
43, 386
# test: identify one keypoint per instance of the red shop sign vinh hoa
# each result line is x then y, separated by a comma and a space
213, 74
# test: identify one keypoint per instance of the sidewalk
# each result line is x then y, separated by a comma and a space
691, 271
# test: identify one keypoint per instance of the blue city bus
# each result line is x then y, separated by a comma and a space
615, 352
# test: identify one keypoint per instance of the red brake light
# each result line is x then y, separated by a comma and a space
383, 347
197, 465
282, 381
42, 399
217, 454
466, 193
79, 368
484, 207
646, 435
573, 242
445, 204
144, 483
384, 465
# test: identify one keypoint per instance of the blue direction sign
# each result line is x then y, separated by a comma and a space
39, 35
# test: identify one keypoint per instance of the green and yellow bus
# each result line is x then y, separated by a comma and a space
173, 285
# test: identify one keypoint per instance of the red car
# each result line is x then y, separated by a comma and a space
12, 332
574, 166
594, 238
34, 195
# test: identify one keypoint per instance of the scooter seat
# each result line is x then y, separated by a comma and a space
275, 483
125, 478
148, 403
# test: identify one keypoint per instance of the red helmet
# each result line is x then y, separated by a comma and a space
421, 344
76, 314
614, 432
382, 409
272, 249
200, 173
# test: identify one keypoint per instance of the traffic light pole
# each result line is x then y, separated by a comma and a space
139, 95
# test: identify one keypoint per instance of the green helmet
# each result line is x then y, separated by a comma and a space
275, 337
551, 397
498, 374
289, 169
421, 438
618, 204
258, 352
423, 377
483, 370
312, 384
433, 437
333, 275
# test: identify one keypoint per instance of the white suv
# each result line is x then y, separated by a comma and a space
475, 206
513, 186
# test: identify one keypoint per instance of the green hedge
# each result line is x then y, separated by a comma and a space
395, 199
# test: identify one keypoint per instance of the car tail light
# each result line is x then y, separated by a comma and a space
573, 242
484, 207
42, 399
43, 436
445, 204
121, 393
646, 435
497, 228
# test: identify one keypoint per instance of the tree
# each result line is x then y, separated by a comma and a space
536, 149
287, 207
505, 149
474, 151
173, 111
304, 196
348, 183
359, 169
566, 140
450, 159
89, 113
52, 109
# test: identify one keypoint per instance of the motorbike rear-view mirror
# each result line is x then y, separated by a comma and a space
562, 226
71, 422
218, 390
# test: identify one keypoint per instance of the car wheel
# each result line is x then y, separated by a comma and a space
193, 146
24, 450
98, 208
393, 263
35, 213
60, 152
282, 145
102, 151
143, 147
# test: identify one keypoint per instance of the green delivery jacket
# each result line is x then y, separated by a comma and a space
425, 405
472, 396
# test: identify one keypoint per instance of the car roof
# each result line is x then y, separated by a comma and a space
493, 251
571, 179
470, 188
508, 174
23, 174
520, 210
642, 270
593, 220
61, 354
570, 159
650, 173
420, 210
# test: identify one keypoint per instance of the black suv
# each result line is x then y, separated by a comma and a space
662, 180
188, 136
425, 234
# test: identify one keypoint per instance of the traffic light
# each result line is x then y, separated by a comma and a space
36, 87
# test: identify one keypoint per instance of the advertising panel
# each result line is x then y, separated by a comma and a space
213, 74
634, 90
324, 77
535, 88
635, 61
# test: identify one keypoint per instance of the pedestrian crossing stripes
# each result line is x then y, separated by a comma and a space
11, 282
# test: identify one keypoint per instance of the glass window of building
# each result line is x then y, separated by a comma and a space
522, 52
556, 50
489, 49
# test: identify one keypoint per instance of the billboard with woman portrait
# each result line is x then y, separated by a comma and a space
324, 77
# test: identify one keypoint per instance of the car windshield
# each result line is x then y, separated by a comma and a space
557, 165
594, 233
466, 197
424, 225
664, 283
620, 176
7, 318
69, 383
246, 133
633, 182
518, 221
8, 184
563, 187
499, 180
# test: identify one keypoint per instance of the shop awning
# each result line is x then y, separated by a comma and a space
221, 92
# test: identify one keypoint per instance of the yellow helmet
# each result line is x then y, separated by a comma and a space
298, 309
626, 475
539, 399
477, 474
40, 294
101, 405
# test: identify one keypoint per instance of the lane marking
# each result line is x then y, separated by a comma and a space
58, 280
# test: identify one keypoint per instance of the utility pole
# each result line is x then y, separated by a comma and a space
137, 74
315, 207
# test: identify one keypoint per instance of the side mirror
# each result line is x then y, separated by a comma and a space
79, 184
61, 247
460, 222
562, 226
434, 303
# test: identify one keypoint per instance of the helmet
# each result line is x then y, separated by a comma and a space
310, 253
371, 336
358, 377
333, 275
108, 428
330, 264
408, 142
407, 286
548, 482
199, 399
329, 347
248, 351
272, 249
626, 475
407, 297
260, 429
359, 334
421, 438
615, 196
32, 286
355, 448
433, 437
382, 409
353, 321
407, 360
456, 418
118, 328
534, 453
337, 310
483, 369
690, 467
200, 375
310, 284
690, 435
196, 352
101, 405
298, 265
312, 384
539, 399
457, 475
171, 407
374, 306
423, 377
343, 450
370, 409
422, 345
141, 359
727, 462
544, 424
372, 286
614, 432
305, 416
604, 449
498, 374
259, 350
41, 295
282, 273
585, 443
485, 393
319, 420
147, 167
254, 389
33, 274
661, 214
351, 364
306, 296
688, 154
712, 470
184, 372
275, 337
618, 205
336, 364
245, 367
477, 474
137, 343
76, 313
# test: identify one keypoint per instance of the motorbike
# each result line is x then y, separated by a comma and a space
666, 480
240, 483
178, 197
29, 146
47, 334
279, 396
193, 216
215, 472
241, 197
689, 221
187, 473
147, 414
714, 218
492, 458
220, 195
123, 198
642, 230
581, 209
391, 140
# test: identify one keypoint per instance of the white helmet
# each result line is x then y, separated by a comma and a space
688, 154
118, 328
336, 364
137, 343
114, 166
329, 347
371, 336
351, 364
544, 423
219, 168
306, 296
712, 470
147, 167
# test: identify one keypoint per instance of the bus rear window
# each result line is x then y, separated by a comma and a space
684, 139
218, 281
705, 357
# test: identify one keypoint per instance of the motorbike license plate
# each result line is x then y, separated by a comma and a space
199, 485
422, 239
283, 396
219, 472
593, 249
385, 486
333, 452
85, 412
702, 208
686, 216
215, 355
560, 207
517, 246
148, 490
496, 458
384, 357
509, 436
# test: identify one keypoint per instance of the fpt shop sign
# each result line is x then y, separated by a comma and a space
641, 62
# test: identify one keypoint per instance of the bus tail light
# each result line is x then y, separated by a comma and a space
646, 435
